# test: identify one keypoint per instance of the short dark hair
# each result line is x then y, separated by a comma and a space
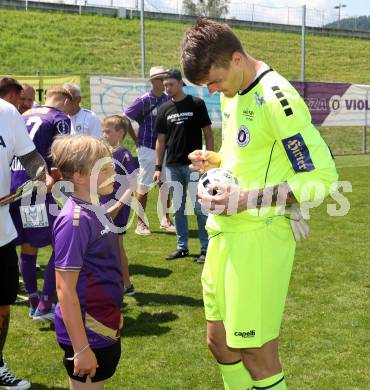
7, 84
207, 43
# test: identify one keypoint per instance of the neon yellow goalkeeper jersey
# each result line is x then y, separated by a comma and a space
267, 139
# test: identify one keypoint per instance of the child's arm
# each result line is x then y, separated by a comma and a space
131, 180
85, 362
125, 199
122, 201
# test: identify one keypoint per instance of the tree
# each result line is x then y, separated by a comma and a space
206, 8
360, 23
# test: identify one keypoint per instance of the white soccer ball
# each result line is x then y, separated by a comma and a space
215, 176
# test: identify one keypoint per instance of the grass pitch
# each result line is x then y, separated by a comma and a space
324, 336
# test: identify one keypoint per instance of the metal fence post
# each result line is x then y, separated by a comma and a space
364, 146
142, 40
303, 47
364, 130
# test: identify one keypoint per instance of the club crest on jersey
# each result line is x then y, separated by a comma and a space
63, 127
259, 99
243, 137
78, 128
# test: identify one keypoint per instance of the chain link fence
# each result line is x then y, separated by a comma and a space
272, 34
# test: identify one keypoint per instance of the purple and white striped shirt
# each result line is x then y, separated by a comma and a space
142, 108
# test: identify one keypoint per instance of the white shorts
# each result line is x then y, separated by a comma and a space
146, 158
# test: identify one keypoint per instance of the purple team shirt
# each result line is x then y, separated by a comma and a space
126, 169
83, 244
43, 124
141, 108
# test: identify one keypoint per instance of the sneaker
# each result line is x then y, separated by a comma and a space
142, 229
21, 299
44, 316
177, 254
130, 290
168, 226
201, 259
31, 311
9, 381
21, 288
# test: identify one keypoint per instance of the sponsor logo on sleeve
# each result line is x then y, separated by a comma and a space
298, 153
243, 136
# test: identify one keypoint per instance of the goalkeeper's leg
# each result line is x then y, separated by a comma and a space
264, 365
233, 371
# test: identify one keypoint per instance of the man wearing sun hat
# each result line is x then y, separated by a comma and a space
144, 111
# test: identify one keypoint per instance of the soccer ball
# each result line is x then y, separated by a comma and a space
215, 176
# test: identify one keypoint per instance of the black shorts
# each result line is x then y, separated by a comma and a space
9, 274
107, 358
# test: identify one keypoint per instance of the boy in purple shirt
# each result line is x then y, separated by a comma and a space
30, 215
115, 128
144, 111
87, 263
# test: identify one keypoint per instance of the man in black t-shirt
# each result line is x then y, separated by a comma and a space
180, 123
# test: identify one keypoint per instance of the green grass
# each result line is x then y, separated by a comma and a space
62, 44
324, 344
57, 43
324, 336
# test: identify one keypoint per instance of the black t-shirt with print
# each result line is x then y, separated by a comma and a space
182, 123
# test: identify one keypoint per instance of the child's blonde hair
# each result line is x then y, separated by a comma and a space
77, 153
118, 122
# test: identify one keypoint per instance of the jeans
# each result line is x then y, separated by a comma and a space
179, 179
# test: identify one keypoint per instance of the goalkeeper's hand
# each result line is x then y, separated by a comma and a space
298, 224
203, 161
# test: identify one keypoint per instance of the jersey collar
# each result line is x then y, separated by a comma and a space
255, 82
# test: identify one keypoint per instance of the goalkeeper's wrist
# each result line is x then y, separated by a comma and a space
279, 195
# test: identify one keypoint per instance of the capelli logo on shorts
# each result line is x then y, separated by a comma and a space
245, 335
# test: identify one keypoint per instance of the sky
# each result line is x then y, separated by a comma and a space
286, 11
353, 7
319, 12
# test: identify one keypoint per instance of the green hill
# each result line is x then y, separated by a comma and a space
360, 23
61, 43
58, 43
324, 337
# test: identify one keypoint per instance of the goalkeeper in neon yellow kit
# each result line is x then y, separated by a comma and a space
279, 159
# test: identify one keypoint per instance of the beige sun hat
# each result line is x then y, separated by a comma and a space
157, 72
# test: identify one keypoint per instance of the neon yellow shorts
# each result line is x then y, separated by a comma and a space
245, 281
